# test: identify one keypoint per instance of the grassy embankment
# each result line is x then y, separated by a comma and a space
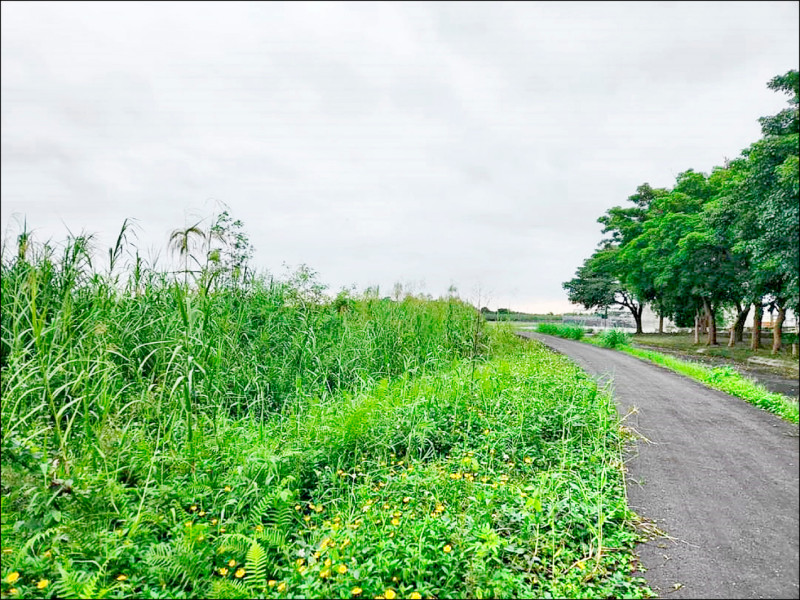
725, 379
259, 441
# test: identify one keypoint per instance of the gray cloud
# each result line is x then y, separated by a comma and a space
428, 143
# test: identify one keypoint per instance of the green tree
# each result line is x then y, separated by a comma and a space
597, 284
763, 210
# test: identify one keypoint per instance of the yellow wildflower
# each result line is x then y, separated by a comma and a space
389, 594
48, 554
214, 521
193, 507
202, 513
528, 460
297, 507
395, 522
13, 591
318, 508
328, 562
12, 577
239, 573
415, 596
271, 583
228, 488
356, 591
299, 562
223, 571
407, 499
231, 563
282, 586
447, 548
325, 573
259, 528
43, 583
342, 569
188, 523
121, 577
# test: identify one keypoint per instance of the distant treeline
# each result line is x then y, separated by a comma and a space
505, 314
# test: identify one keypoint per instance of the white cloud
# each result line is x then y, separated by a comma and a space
434, 143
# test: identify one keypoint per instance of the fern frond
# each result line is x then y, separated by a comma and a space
272, 538
255, 565
237, 542
34, 540
76, 584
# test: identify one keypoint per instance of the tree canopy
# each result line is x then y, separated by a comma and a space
723, 240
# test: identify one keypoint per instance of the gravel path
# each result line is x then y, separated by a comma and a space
715, 473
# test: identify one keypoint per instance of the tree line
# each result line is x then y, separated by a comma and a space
724, 240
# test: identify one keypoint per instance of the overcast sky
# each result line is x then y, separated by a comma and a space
469, 144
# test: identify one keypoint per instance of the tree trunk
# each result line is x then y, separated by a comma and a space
660, 323
637, 316
696, 326
777, 332
712, 323
739, 331
737, 328
755, 341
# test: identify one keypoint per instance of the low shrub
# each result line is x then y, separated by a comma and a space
613, 338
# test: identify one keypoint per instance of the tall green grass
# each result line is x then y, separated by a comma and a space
569, 332
164, 438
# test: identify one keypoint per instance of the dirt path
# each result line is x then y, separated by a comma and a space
715, 473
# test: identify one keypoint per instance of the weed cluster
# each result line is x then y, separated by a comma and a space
613, 338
